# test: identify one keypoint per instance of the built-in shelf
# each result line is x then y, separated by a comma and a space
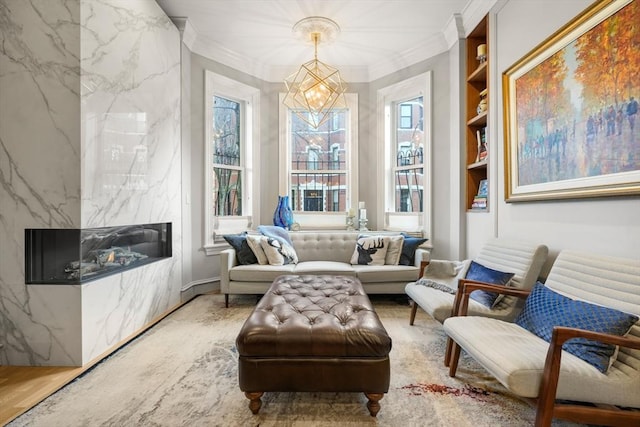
477, 89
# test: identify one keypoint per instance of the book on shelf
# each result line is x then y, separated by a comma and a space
483, 188
481, 135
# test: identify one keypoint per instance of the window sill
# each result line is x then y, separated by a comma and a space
215, 249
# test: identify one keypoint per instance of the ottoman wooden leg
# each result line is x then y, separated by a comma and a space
373, 405
255, 403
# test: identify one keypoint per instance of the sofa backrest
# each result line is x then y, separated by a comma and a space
606, 281
324, 245
524, 259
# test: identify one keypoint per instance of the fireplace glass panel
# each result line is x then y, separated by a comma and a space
66, 256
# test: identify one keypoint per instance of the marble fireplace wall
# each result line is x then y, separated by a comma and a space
89, 137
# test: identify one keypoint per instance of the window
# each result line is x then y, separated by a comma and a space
319, 170
409, 147
406, 116
231, 144
403, 148
227, 168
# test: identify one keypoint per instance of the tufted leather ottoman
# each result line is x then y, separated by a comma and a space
314, 333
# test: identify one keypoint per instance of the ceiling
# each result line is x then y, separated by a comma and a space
377, 37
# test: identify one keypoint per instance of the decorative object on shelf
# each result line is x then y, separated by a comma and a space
350, 220
548, 129
481, 53
362, 217
482, 105
316, 88
283, 215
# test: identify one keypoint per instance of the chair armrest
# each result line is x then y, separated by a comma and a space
227, 262
549, 384
466, 286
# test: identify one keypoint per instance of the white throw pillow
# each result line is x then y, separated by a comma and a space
278, 252
255, 243
370, 250
395, 250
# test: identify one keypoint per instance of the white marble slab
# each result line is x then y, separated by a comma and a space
89, 137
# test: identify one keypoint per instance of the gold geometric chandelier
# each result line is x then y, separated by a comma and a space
316, 88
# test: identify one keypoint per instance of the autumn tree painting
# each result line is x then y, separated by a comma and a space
577, 111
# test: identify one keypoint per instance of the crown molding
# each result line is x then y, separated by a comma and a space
187, 32
458, 27
473, 13
454, 30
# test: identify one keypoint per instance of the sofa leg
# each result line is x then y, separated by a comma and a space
414, 309
453, 362
226, 300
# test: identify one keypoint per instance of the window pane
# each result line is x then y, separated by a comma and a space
318, 180
226, 131
409, 185
409, 133
227, 192
320, 192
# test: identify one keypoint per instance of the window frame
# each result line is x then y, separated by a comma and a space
215, 227
387, 97
321, 220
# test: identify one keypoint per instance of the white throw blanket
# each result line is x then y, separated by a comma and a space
443, 275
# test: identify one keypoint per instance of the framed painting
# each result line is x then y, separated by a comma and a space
571, 120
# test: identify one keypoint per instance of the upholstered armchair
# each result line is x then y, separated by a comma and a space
574, 350
435, 293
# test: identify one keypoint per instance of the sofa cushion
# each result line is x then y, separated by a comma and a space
481, 273
370, 250
545, 309
259, 273
324, 267
278, 251
244, 254
409, 246
386, 273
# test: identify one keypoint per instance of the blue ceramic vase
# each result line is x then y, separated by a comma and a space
283, 216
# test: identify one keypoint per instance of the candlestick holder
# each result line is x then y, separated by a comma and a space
351, 223
363, 224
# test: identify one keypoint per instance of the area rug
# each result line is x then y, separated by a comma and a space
183, 372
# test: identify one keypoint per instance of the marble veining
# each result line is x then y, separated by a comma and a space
89, 137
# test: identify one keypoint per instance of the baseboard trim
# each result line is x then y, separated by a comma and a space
199, 287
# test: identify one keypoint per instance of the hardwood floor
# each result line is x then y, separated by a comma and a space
23, 387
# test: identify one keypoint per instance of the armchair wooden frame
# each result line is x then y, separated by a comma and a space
546, 406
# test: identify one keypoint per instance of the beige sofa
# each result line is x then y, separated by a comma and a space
319, 252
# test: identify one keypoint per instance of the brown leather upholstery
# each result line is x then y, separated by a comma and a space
314, 333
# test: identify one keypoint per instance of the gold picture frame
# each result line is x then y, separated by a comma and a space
571, 119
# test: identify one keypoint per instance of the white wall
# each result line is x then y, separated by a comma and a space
602, 225
608, 226
445, 197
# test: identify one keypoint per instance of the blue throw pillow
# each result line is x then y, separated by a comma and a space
481, 273
545, 309
409, 246
244, 254
275, 232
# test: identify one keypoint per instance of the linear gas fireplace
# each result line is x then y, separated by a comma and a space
71, 256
